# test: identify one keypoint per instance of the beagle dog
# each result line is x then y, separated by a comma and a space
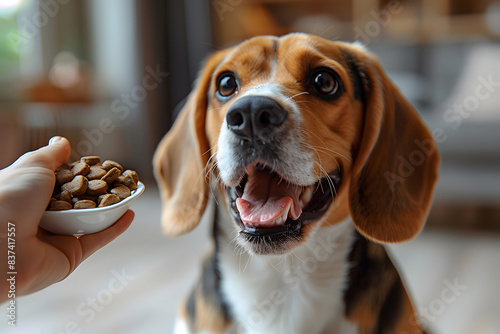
314, 160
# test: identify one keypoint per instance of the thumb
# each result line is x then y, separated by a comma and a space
50, 156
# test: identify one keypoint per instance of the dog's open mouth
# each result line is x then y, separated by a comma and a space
267, 205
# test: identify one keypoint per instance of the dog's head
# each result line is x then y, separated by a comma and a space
297, 133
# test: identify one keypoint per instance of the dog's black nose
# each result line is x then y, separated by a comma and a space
255, 117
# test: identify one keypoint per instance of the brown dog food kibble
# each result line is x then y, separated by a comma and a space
91, 160
121, 191
126, 180
60, 205
65, 196
109, 164
80, 169
77, 187
108, 199
86, 184
84, 204
111, 175
97, 187
96, 172
133, 174
83, 197
63, 176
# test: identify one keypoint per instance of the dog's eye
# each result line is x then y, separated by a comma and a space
325, 83
227, 85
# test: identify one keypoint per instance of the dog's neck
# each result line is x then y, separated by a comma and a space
267, 293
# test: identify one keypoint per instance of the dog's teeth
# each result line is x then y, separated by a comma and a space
306, 196
284, 216
277, 222
250, 225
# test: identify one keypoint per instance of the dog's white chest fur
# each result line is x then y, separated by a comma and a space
298, 293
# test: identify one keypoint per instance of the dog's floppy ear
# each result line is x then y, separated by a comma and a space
180, 159
396, 166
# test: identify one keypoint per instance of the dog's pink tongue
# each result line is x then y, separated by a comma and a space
265, 200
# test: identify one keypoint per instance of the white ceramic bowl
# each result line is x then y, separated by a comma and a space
86, 221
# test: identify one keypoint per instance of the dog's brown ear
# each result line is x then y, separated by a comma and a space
180, 159
396, 166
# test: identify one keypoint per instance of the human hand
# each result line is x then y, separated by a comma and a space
41, 258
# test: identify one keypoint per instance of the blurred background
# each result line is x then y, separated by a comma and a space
109, 74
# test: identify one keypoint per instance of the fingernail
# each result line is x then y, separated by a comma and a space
54, 140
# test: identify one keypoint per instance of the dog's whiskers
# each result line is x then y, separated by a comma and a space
233, 239
302, 101
214, 109
331, 184
274, 266
249, 260
319, 150
293, 253
295, 95
325, 148
209, 171
322, 171
210, 164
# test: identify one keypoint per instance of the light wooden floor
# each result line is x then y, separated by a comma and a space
134, 284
